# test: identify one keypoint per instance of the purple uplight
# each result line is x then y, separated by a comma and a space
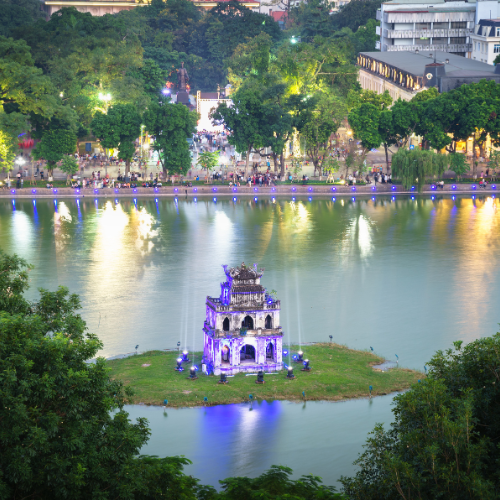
134, 190
195, 190
310, 189
96, 191
33, 191
294, 189
176, 190
453, 187
334, 189
165, 91
77, 191
256, 189
394, 188
273, 189
493, 186
235, 190
54, 191
117, 191
474, 186
156, 190
374, 188
13, 191
353, 189
214, 189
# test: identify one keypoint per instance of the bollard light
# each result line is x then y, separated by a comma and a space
300, 354
260, 377
306, 368
185, 356
179, 365
192, 373
290, 374
223, 378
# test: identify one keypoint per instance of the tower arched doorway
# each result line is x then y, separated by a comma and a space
247, 323
269, 322
270, 351
225, 325
225, 354
247, 354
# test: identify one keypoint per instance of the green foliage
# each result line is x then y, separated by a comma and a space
413, 166
459, 164
64, 433
171, 125
55, 144
118, 129
444, 441
69, 165
355, 14
208, 160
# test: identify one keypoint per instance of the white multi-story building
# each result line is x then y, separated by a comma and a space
427, 26
486, 40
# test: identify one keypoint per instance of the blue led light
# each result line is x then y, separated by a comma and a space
33, 191
134, 190
116, 201
234, 199
214, 189
473, 196
235, 190
353, 199
353, 189
135, 201
393, 198
310, 198
293, 199
433, 198
453, 197
374, 188
195, 199
310, 189
413, 188
176, 190
454, 186
256, 190
413, 197
13, 191
294, 189
473, 186
117, 191
195, 190
273, 199
215, 199
96, 191
273, 189
156, 200
156, 190
373, 198
493, 186
333, 199
285, 353
77, 191
334, 189
393, 188
255, 199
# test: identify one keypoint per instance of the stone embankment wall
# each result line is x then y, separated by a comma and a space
209, 190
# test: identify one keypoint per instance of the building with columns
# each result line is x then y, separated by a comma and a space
242, 331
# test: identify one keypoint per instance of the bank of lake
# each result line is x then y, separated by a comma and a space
338, 373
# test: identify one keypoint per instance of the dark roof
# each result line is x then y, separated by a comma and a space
415, 63
246, 274
209, 95
489, 22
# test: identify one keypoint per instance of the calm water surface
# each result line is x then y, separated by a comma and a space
405, 276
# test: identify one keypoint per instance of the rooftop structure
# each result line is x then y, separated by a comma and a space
486, 40
404, 74
241, 329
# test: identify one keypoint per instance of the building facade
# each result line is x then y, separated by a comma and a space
427, 26
242, 331
404, 74
486, 40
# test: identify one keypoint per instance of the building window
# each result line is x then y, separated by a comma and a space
496, 48
478, 47
459, 25
498, 32
459, 39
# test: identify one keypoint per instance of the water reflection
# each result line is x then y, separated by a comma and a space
316, 438
404, 275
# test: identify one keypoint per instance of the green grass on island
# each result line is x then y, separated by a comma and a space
338, 373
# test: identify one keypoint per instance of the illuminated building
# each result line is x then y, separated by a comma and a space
241, 330
404, 74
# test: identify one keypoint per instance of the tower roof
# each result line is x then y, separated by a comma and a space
243, 273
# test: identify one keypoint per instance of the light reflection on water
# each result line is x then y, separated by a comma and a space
405, 276
244, 440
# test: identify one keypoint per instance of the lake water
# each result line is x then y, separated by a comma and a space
404, 276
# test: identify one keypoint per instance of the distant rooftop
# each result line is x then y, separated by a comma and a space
415, 64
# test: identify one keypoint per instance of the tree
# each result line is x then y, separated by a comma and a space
458, 164
119, 128
64, 433
355, 15
69, 166
244, 119
443, 443
413, 166
55, 144
171, 125
208, 160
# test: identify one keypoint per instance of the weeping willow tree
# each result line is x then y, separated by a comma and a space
412, 167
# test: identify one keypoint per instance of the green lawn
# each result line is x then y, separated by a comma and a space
337, 373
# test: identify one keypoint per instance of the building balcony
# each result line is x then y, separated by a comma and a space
377, 45
378, 16
440, 33
462, 47
259, 332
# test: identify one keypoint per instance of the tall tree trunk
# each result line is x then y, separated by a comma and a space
248, 158
282, 165
275, 162
386, 156
474, 167
127, 167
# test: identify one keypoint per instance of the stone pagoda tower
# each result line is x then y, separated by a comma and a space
242, 331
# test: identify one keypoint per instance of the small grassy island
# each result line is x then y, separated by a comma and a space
337, 373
